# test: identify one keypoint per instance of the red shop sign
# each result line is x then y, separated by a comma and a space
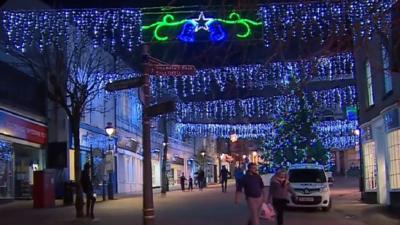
14, 126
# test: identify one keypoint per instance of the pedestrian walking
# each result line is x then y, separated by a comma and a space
87, 187
190, 183
223, 175
238, 175
279, 192
200, 179
183, 179
254, 191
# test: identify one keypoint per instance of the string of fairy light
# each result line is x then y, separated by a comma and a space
258, 77
337, 134
258, 107
114, 28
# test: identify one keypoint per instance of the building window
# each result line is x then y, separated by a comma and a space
125, 107
394, 156
369, 83
386, 69
369, 166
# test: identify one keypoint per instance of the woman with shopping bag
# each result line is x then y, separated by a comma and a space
279, 192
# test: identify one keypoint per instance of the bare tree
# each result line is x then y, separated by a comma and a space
75, 73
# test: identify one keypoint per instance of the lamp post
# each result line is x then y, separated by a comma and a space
110, 130
357, 132
203, 154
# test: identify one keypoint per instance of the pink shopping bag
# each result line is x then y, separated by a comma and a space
267, 212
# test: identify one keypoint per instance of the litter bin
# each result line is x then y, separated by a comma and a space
69, 193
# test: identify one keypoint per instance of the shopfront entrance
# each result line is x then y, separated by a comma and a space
27, 160
21, 154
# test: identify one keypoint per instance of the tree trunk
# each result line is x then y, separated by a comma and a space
164, 176
79, 195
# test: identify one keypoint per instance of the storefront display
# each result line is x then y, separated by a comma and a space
21, 154
394, 156
6, 174
370, 170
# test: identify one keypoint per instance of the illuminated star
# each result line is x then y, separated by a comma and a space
202, 22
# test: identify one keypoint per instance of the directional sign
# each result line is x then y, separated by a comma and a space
171, 70
125, 84
159, 109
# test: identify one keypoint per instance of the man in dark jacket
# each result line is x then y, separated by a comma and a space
254, 192
224, 178
200, 179
87, 187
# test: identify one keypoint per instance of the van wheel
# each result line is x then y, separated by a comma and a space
326, 209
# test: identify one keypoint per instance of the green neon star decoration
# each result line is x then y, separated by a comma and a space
168, 20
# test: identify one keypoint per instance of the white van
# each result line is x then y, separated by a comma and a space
311, 186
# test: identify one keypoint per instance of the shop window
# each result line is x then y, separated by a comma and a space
6, 170
368, 75
394, 159
369, 152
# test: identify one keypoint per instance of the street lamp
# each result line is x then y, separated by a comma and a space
233, 137
110, 130
203, 183
356, 132
203, 153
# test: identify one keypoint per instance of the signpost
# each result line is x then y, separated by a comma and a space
148, 112
161, 108
171, 70
125, 84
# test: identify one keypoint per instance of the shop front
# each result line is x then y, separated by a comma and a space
156, 168
381, 159
21, 153
129, 162
177, 168
370, 170
392, 156
96, 147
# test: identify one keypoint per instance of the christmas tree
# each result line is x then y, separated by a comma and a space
295, 140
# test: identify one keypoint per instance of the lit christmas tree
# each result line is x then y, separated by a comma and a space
295, 140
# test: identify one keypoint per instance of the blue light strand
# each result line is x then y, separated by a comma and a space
225, 130
106, 27
257, 107
336, 134
321, 20
369, 16
283, 22
258, 77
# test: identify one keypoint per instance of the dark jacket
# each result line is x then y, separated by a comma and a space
224, 174
86, 182
252, 184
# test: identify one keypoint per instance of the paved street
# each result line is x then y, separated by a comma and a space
210, 207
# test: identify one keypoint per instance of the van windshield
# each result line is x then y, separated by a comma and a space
307, 176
